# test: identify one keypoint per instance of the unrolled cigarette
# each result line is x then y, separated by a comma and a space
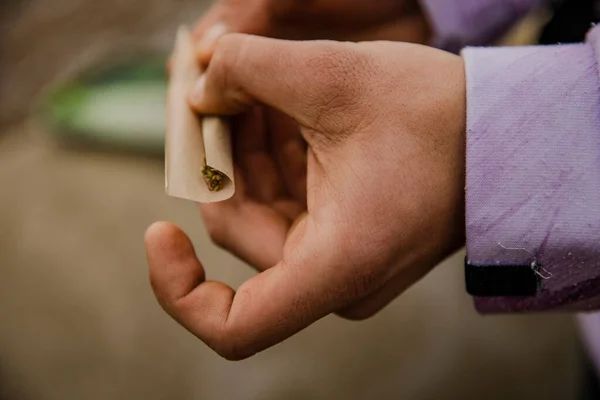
196, 146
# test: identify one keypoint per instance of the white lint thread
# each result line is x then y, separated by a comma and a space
537, 268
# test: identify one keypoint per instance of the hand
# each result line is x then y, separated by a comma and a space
384, 178
399, 20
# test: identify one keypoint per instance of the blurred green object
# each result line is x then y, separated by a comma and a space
119, 106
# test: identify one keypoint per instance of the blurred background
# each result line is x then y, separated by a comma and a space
77, 316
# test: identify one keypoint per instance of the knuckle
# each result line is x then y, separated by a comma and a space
225, 348
231, 351
227, 49
232, 347
234, 342
223, 67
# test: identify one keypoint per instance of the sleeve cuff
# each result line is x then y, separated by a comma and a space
533, 169
460, 23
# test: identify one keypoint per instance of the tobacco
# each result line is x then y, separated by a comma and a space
214, 179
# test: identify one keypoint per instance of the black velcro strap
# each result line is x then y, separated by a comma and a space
501, 280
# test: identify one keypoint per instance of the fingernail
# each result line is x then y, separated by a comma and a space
197, 93
210, 37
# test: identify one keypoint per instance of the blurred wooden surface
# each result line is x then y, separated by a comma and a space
78, 317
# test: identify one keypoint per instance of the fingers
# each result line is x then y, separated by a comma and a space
263, 180
175, 273
312, 82
171, 247
229, 16
207, 39
255, 233
177, 279
288, 148
265, 310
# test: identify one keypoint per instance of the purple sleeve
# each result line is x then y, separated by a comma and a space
533, 169
460, 23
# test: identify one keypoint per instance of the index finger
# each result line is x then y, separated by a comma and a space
228, 16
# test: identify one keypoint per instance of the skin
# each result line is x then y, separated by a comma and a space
350, 197
354, 20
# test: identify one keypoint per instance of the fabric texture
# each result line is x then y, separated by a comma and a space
533, 173
533, 168
533, 156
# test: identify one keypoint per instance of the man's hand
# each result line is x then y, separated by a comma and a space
399, 20
343, 203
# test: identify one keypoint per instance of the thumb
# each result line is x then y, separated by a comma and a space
314, 82
311, 282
